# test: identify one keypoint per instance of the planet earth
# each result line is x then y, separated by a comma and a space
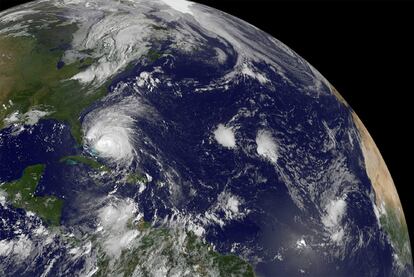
167, 138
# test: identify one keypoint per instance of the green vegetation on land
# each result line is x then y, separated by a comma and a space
29, 77
21, 194
73, 160
398, 234
177, 250
158, 27
153, 55
136, 178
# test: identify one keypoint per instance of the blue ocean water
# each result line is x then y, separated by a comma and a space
206, 169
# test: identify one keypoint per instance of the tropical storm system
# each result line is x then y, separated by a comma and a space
167, 138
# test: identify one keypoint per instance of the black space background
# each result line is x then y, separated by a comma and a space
365, 50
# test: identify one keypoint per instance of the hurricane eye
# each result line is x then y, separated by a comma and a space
109, 136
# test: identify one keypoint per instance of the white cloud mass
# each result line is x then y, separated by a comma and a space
225, 136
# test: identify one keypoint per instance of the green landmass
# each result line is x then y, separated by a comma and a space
74, 160
136, 178
182, 251
398, 234
153, 55
21, 194
158, 27
29, 77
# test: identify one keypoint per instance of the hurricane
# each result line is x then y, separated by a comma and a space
167, 138
109, 133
